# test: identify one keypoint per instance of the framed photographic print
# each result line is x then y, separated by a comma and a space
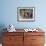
26, 14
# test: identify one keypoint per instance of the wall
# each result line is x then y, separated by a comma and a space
9, 13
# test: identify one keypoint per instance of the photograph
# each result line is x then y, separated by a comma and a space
25, 14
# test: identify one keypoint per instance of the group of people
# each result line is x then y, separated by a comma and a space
26, 13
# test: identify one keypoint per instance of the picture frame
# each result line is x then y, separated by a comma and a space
25, 14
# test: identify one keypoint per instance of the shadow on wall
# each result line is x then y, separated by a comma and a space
2, 26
